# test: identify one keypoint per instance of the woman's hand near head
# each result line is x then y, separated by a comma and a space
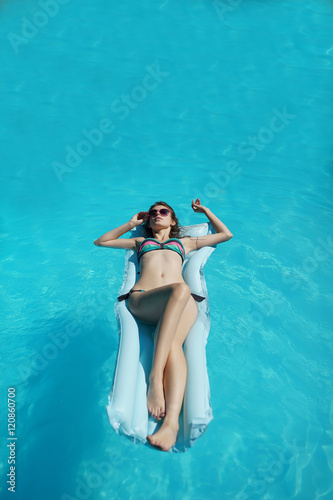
222, 232
139, 218
197, 207
110, 239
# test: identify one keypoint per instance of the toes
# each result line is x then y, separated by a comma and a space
152, 412
157, 413
162, 440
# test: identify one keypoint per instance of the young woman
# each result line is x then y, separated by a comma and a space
162, 298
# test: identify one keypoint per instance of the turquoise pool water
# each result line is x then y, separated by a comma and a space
105, 108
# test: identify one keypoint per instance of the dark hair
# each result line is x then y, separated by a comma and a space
175, 231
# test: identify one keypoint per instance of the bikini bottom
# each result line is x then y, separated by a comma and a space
196, 297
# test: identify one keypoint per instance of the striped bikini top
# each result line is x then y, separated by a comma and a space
150, 244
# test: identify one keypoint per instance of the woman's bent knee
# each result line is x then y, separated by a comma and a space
149, 306
181, 291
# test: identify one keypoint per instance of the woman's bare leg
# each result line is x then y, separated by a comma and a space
175, 381
166, 305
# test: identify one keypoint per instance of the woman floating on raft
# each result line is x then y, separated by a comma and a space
162, 298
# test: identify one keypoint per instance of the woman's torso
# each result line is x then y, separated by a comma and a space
159, 266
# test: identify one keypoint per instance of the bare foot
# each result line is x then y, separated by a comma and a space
155, 398
165, 437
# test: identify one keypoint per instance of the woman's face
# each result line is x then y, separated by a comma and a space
160, 220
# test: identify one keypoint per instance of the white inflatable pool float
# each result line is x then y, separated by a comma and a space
127, 401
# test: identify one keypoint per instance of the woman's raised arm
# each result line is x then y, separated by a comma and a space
222, 232
110, 239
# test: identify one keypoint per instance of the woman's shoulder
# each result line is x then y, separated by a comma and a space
189, 243
136, 242
139, 240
